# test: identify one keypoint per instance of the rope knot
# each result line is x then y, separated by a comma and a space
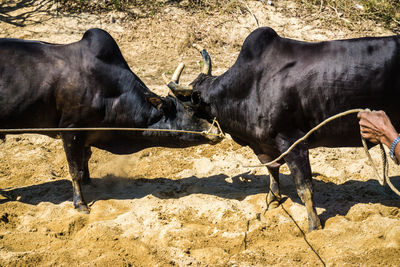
220, 132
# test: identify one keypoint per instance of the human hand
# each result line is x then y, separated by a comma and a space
376, 127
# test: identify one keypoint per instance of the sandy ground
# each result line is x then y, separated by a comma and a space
197, 206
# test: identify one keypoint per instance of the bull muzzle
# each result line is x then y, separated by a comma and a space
214, 132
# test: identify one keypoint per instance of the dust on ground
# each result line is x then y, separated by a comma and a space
196, 206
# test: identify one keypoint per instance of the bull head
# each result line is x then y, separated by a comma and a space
185, 91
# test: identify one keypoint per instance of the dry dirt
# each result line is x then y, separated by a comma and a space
196, 206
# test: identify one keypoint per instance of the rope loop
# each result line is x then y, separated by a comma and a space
220, 132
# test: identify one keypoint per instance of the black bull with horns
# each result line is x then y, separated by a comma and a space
88, 84
279, 88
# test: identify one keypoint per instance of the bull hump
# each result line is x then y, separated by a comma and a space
257, 42
103, 46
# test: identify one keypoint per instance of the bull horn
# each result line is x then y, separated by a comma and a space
178, 72
174, 85
207, 59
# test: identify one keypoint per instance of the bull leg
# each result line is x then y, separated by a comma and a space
75, 153
86, 173
299, 165
274, 196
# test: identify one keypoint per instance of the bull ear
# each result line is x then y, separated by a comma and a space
155, 101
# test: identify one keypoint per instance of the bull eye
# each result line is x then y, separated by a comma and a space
195, 98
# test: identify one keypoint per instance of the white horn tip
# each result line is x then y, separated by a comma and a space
178, 71
198, 47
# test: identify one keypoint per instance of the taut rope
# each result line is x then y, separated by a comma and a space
41, 130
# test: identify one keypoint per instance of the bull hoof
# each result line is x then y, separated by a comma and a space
273, 205
314, 226
273, 201
82, 208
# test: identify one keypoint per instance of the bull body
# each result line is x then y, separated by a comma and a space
279, 88
87, 84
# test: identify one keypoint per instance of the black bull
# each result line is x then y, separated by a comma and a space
279, 88
87, 84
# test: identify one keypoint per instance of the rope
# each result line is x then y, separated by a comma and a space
382, 180
301, 231
307, 135
304, 236
39, 130
385, 177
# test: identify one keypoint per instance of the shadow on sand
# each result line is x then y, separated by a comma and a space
9, 11
335, 199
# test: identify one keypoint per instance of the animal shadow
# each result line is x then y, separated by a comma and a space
114, 187
335, 199
338, 199
54, 191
